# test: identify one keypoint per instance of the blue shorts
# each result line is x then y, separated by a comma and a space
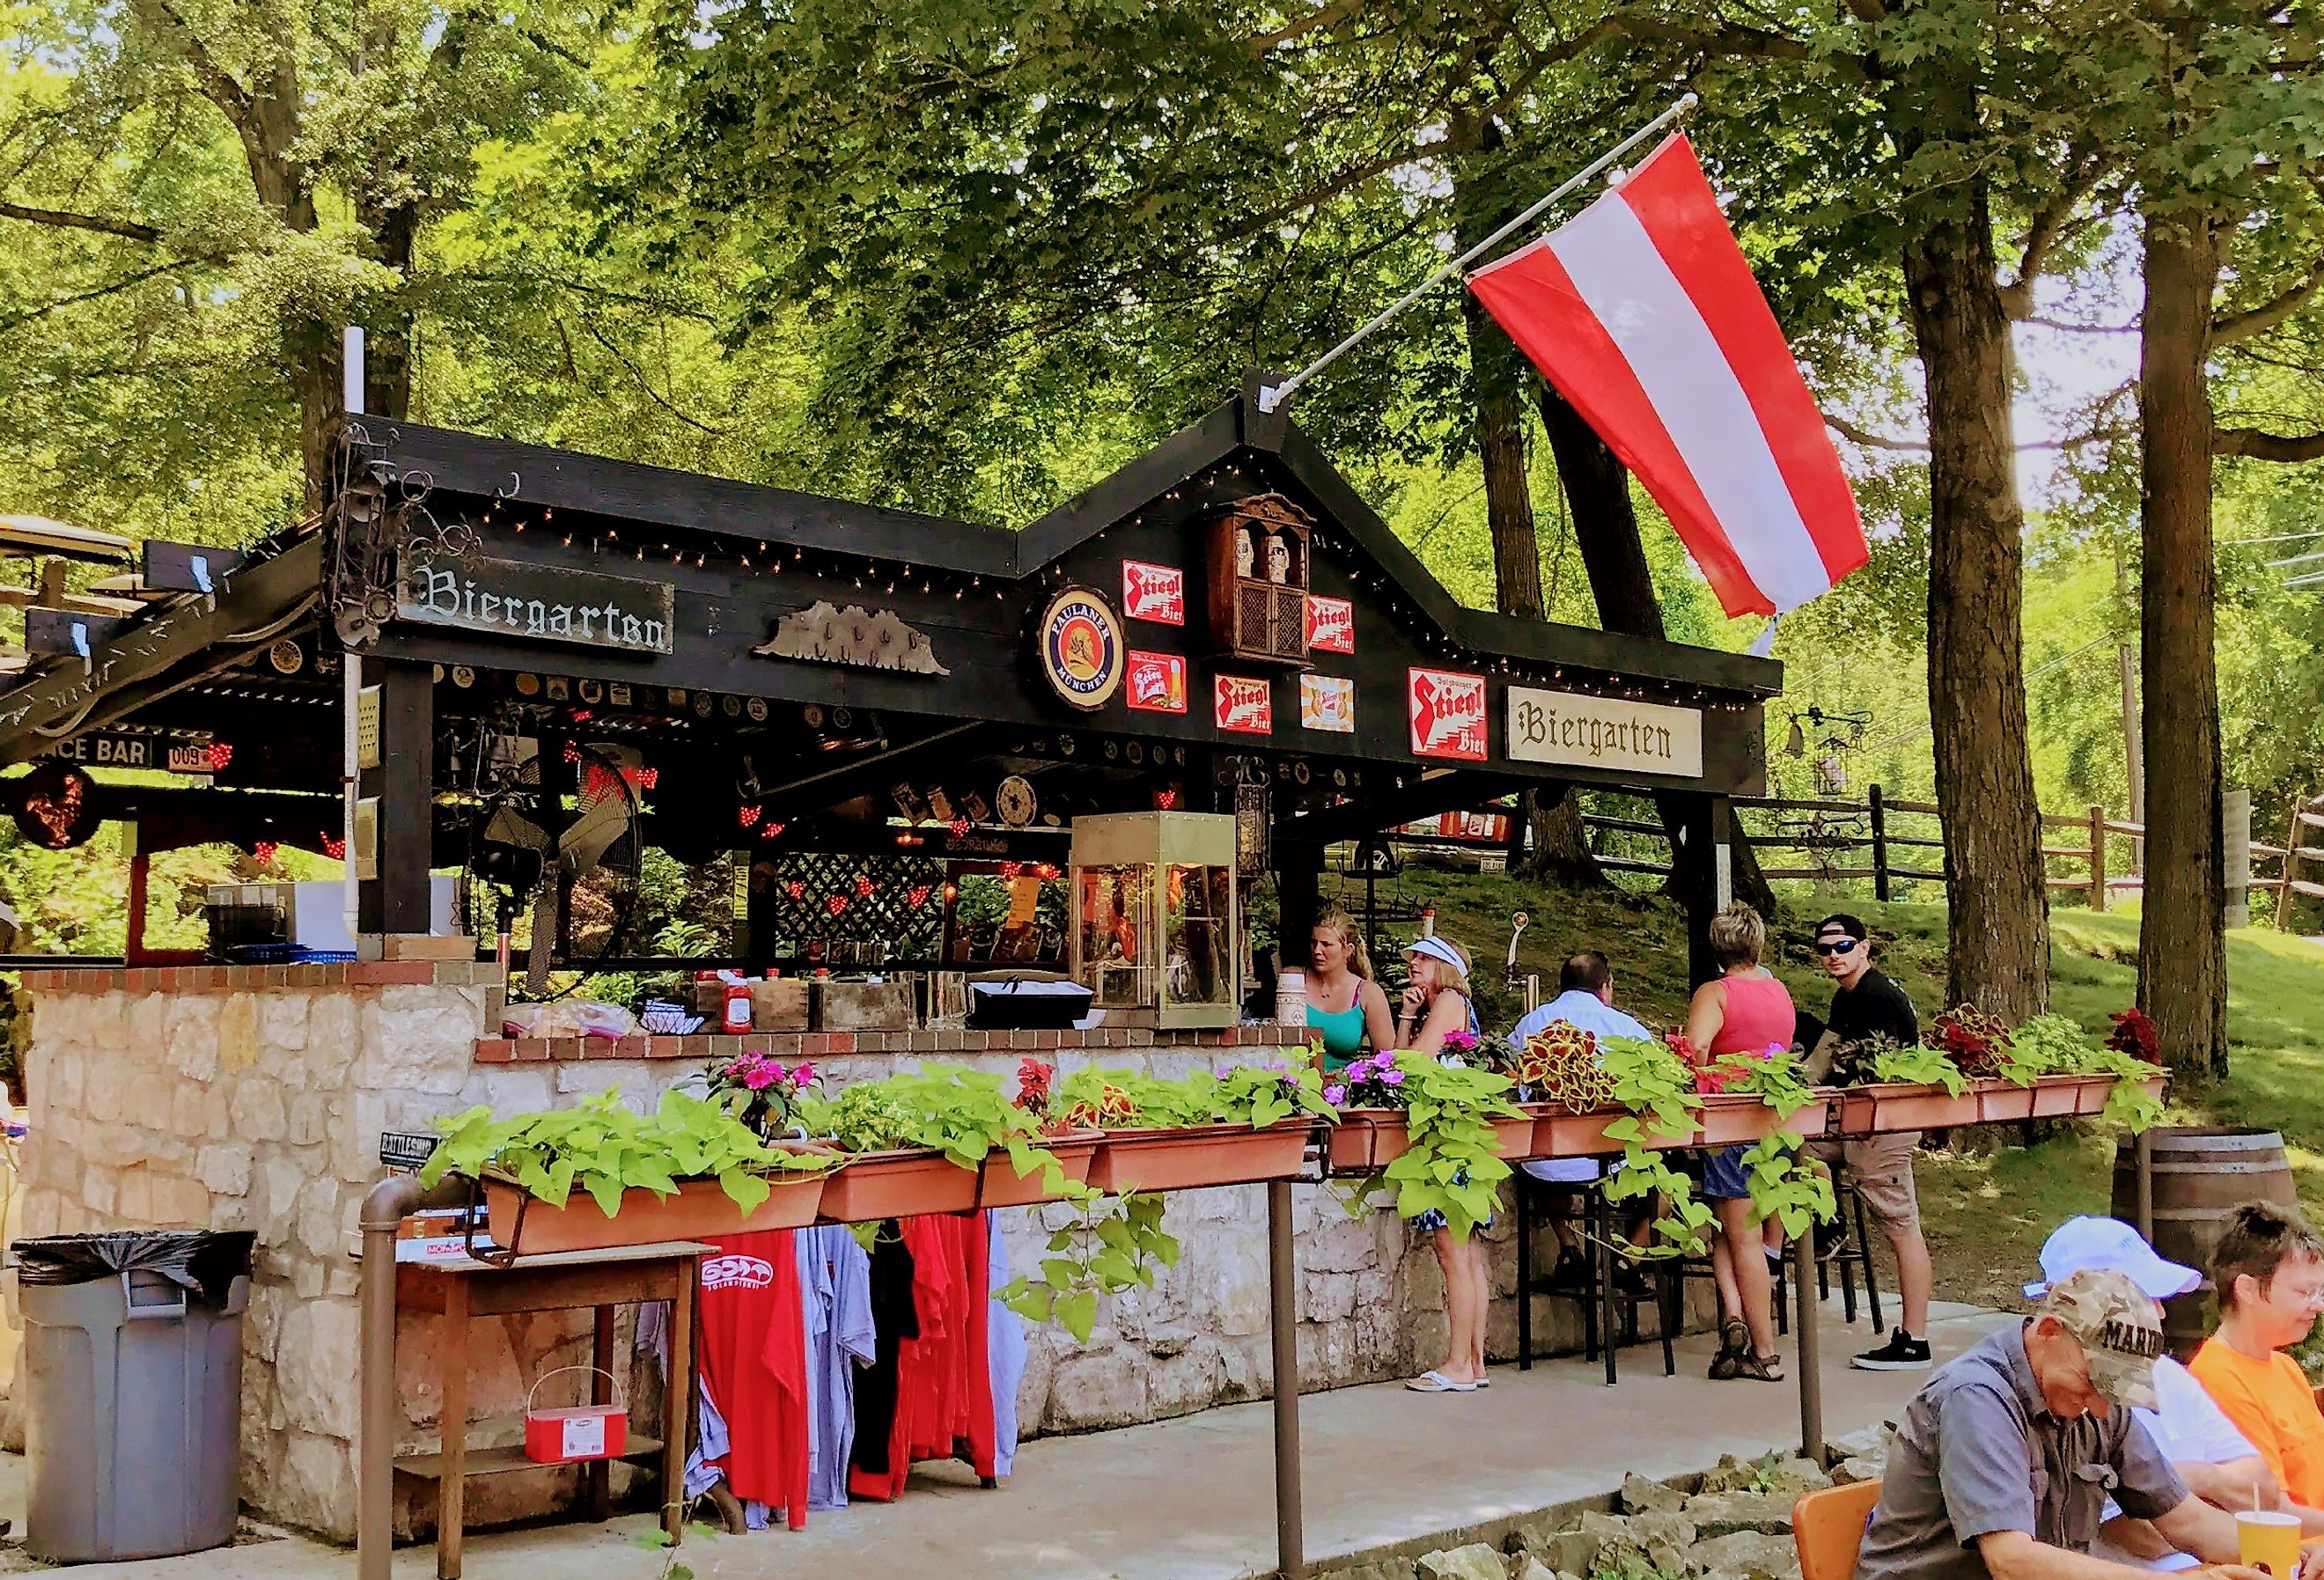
1722, 1176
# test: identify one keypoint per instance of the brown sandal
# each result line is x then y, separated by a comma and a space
1760, 1368
1734, 1346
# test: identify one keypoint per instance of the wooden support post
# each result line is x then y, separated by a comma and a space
1298, 865
1700, 873
396, 900
141, 864
1283, 1319
1881, 887
2291, 866
2144, 1154
2097, 858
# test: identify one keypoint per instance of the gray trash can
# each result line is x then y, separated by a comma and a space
133, 1372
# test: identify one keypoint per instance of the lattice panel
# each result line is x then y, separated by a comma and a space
865, 909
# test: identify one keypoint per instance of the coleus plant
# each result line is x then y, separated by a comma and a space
1559, 1064
1972, 1039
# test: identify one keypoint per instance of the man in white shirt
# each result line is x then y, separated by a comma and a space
2218, 1463
1585, 1000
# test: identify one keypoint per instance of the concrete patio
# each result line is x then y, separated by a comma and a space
1193, 1499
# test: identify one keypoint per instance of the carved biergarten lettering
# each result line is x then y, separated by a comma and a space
501, 598
1560, 726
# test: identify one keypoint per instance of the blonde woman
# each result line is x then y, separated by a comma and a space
1745, 1009
1436, 1003
1345, 1007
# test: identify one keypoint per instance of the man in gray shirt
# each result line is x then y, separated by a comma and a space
2005, 1458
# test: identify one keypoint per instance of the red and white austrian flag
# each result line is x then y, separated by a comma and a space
1643, 311
1448, 714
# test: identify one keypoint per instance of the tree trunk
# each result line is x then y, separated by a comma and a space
1561, 842
1998, 901
1614, 558
1494, 370
2183, 964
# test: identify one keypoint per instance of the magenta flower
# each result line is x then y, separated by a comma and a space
1335, 1095
1391, 1077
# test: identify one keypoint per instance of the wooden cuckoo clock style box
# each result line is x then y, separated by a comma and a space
1259, 565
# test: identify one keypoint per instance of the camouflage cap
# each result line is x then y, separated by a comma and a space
2118, 1327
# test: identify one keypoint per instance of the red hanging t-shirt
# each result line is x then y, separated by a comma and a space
754, 1357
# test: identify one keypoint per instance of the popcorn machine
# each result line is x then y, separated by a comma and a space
1156, 927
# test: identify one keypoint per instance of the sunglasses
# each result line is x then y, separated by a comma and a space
1837, 947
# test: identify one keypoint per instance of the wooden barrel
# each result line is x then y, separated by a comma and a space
2200, 1174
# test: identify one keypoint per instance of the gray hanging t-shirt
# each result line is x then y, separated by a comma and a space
1979, 1452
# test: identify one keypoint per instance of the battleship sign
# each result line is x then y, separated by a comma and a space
543, 603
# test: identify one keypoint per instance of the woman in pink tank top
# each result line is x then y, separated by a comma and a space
1745, 1010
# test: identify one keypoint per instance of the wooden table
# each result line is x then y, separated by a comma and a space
598, 1280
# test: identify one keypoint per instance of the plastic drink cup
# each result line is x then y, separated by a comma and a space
2269, 1541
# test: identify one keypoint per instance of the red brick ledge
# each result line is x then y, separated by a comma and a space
812, 1045
249, 978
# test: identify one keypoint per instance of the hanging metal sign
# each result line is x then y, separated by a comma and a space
542, 602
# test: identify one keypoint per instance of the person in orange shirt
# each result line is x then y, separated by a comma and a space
2269, 1267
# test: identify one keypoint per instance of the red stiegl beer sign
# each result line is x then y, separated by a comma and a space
1154, 592
1242, 703
1448, 714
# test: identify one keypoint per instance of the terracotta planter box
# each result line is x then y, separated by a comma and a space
700, 1209
873, 1185
1725, 1120
1368, 1139
1199, 1155
1902, 1106
2063, 1096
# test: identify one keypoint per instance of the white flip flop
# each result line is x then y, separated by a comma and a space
1438, 1382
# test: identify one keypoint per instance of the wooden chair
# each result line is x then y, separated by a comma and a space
1828, 1527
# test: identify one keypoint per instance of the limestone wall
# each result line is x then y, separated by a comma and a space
250, 1098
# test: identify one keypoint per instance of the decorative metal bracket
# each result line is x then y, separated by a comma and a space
378, 526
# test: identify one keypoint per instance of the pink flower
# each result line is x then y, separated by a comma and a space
1335, 1095
802, 1073
1391, 1077
759, 1077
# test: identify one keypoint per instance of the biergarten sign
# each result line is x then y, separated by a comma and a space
543, 603
1604, 732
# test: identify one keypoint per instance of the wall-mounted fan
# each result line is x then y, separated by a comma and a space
561, 841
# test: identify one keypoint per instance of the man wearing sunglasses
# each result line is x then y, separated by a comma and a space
1864, 1004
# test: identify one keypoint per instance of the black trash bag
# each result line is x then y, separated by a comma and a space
207, 1262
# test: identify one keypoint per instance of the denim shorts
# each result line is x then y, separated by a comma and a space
1722, 1176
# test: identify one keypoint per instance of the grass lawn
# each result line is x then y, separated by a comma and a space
1988, 1203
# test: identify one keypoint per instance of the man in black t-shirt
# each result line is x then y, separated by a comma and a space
1866, 1004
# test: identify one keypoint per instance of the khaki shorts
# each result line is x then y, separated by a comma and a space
1880, 1167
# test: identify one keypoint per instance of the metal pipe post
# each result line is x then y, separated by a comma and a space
1283, 1303
382, 1209
1807, 1318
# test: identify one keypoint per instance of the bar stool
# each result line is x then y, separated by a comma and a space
1599, 1295
1848, 1254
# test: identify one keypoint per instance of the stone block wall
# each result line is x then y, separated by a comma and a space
255, 1098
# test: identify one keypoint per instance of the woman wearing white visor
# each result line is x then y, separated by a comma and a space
1436, 1003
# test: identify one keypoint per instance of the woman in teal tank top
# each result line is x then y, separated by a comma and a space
1345, 1007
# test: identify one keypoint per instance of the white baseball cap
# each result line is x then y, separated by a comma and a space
2085, 1243
1436, 948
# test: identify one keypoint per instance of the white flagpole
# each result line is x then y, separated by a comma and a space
1271, 396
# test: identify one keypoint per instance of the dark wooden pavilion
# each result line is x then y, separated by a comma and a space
1223, 623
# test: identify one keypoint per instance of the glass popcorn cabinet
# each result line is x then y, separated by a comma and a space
1155, 925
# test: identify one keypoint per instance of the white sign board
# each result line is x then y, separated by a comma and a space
1604, 732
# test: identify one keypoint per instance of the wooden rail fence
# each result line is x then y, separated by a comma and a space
1892, 841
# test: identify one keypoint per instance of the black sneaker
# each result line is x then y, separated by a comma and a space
1902, 1353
